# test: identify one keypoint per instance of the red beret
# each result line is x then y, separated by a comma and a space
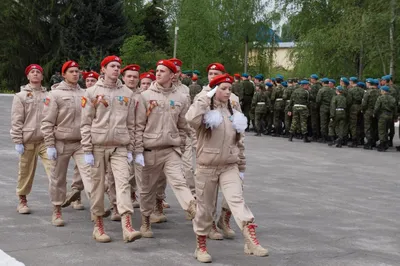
216, 66
194, 78
148, 76
224, 78
110, 59
176, 61
168, 64
131, 67
90, 74
237, 75
67, 65
152, 71
33, 66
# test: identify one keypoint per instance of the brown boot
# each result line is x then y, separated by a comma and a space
252, 246
158, 215
72, 196
223, 224
201, 253
56, 219
165, 204
98, 232
135, 202
115, 215
129, 234
214, 234
191, 211
23, 205
145, 229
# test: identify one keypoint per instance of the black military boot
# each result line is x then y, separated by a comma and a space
322, 139
353, 144
397, 148
381, 146
386, 145
368, 145
305, 139
331, 141
339, 143
290, 137
390, 142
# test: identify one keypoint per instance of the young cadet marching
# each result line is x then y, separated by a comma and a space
386, 111
287, 93
338, 116
260, 107
298, 110
367, 107
354, 99
107, 128
62, 136
279, 106
26, 115
160, 137
324, 98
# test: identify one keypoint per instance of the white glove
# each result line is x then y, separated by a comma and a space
212, 92
241, 175
52, 153
139, 159
89, 159
130, 157
20, 148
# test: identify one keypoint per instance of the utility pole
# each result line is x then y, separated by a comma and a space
176, 39
393, 9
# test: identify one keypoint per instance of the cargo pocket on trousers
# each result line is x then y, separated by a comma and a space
149, 158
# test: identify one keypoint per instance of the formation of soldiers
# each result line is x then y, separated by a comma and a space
129, 138
352, 113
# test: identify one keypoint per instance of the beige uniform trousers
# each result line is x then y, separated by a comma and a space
207, 181
27, 166
168, 161
77, 182
117, 159
110, 183
58, 179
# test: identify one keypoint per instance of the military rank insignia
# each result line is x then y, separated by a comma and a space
83, 102
46, 101
172, 104
152, 104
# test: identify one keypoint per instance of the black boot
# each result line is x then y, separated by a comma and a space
339, 143
331, 141
305, 138
390, 142
290, 137
322, 139
381, 146
353, 144
368, 145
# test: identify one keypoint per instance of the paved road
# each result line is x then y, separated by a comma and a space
314, 205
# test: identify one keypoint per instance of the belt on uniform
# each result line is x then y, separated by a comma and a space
288, 101
261, 103
300, 105
339, 109
278, 99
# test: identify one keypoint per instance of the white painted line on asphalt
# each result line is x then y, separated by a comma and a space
6, 260
7, 94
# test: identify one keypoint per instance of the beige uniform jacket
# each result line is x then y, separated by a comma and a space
221, 148
108, 116
27, 114
62, 114
160, 119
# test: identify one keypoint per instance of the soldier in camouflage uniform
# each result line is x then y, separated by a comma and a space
260, 107
56, 78
367, 107
386, 110
354, 99
279, 106
338, 117
237, 87
314, 109
186, 77
324, 97
385, 81
287, 93
268, 118
194, 88
298, 110
248, 93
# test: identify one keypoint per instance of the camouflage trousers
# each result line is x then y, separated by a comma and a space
370, 126
314, 112
324, 114
355, 121
299, 120
337, 126
260, 121
384, 124
288, 121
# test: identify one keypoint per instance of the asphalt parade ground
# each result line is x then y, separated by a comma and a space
314, 205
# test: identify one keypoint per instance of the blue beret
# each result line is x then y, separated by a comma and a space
375, 81
385, 88
273, 79
284, 84
387, 78
259, 77
304, 82
332, 81
345, 80
354, 79
269, 84
245, 75
369, 80
279, 76
361, 84
339, 88
314, 76
196, 72
323, 80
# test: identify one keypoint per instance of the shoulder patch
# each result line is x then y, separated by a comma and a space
46, 101
83, 102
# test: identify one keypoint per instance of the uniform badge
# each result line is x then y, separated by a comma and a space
100, 99
83, 102
233, 103
29, 94
126, 101
152, 104
172, 104
46, 101
120, 99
